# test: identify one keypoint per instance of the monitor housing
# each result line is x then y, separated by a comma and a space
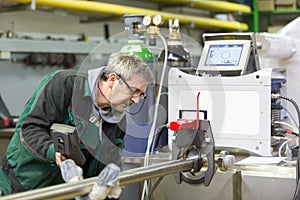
222, 56
228, 54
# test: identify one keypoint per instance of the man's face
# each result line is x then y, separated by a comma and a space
127, 92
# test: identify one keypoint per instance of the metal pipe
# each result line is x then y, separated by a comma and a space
91, 7
215, 6
81, 188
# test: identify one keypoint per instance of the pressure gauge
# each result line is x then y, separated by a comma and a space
158, 20
147, 20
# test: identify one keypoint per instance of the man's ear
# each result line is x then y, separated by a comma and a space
112, 78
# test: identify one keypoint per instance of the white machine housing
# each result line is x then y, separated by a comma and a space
238, 107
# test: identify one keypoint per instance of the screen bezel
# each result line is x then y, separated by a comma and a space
244, 58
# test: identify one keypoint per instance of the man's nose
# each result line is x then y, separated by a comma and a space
135, 99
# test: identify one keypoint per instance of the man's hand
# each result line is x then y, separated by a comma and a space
59, 158
116, 191
70, 171
107, 184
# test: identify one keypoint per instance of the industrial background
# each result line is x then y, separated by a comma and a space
40, 36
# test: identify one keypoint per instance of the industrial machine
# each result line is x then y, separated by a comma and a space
236, 96
239, 108
242, 102
194, 138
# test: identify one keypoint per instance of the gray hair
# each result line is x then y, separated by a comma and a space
127, 66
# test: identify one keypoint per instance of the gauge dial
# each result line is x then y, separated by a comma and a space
147, 20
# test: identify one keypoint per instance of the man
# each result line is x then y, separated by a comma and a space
94, 103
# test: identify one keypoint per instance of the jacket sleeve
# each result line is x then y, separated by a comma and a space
48, 105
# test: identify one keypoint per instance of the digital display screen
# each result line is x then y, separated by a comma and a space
224, 55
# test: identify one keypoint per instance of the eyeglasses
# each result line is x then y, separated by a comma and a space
134, 91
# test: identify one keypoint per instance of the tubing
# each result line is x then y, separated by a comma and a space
211, 5
101, 8
80, 188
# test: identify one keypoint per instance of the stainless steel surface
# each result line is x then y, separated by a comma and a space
153, 171
260, 182
237, 185
71, 190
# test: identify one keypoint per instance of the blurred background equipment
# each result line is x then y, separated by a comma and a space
6, 119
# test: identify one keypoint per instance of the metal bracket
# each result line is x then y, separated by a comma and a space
199, 143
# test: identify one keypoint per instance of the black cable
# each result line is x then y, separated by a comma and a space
296, 107
139, 110
297, 191
158, 129
155, 185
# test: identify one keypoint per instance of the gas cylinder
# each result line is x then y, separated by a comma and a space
139, 116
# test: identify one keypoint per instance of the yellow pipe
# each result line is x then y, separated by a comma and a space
118, 10
221, 6
211, 5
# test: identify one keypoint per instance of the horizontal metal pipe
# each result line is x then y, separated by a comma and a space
153, 171
71, 190
215, 6
100, 8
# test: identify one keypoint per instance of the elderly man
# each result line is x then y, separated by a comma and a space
94, 103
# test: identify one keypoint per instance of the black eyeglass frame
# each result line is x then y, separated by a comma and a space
134, 92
